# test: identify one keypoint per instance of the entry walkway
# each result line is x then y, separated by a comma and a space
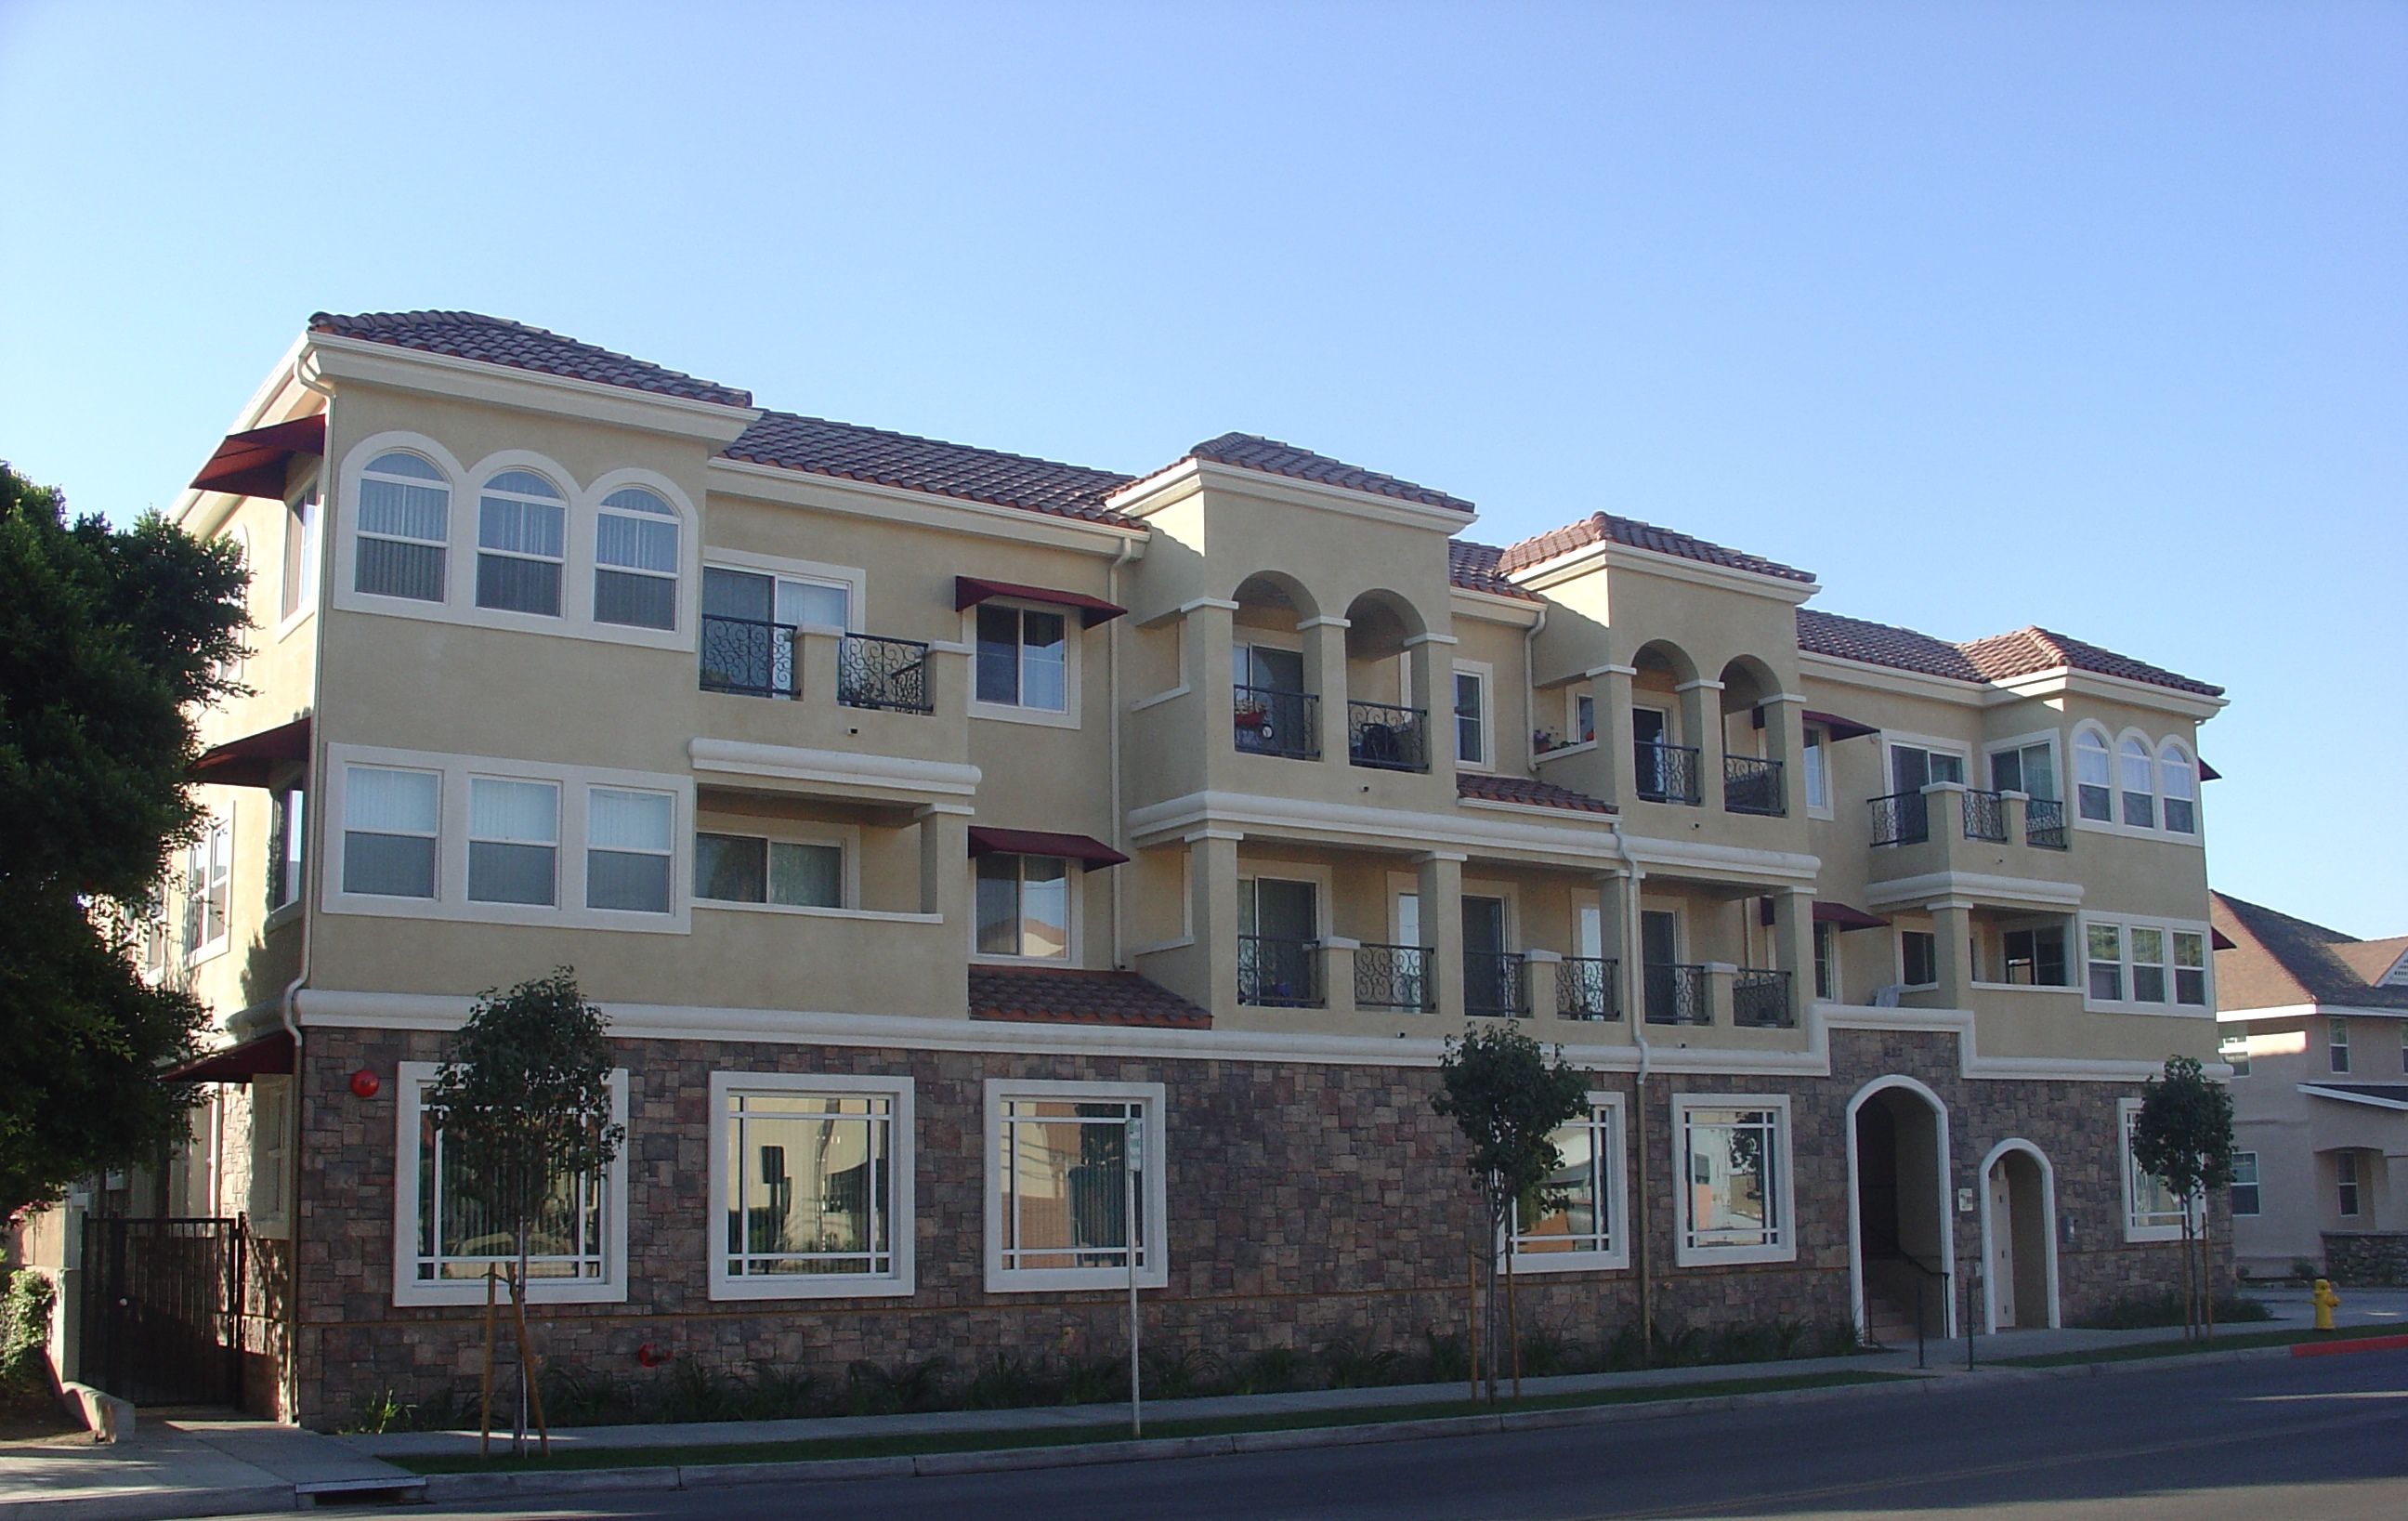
199, 1465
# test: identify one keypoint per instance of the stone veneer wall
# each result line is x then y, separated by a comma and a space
2366, 1257
1307, 1201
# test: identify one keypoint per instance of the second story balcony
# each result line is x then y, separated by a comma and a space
1271, 721
1909, 818
1386, 737
1495, 984
1275, 973
1753, 786
1663, 772
758, 658
1588, 987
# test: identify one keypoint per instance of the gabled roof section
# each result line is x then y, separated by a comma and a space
2278, 961
497, 340
1998, 658
1473, 568
1605, 527
1250, 451
1479, 787
850, 452
1070, 996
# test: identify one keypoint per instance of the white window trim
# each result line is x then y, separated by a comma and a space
2155, 828
1786, 1215
2189, 761
2258, 1182
559, 808
1405, 885
221, 822
339, 557
846, 837
2196, 838
313, 557
2337, 1038
901, 1170
2079, 953
1073, 665
1617, 1256
409, 1078
450, 900
1937, 744
271, 1157
1992, 749
1487, 673
1156, 1273
1897, 950
281, 859
1829, 807
855, 580
2127, 1112
1073, 955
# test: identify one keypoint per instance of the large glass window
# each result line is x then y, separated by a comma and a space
2150, 1208
1827, 962
521, 528
636, 560
2346, 1178
209, 878
513, 841
2180, 779
300, 574
1024, 906
1075, 1188
748, 868
390, 821
627, 850
808, 1187
2106, 944
285, 834
2035, 958
1818, 778
1581, 1220
1733, 1189
2190, 968
2139, 785
456, 1237
2148, 965
404, 528
1918, 957
2093, 781
2337, 1043
1471, 718
1023, 658
2030, 770
2245, 1183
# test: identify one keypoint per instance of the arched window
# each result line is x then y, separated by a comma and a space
2178, 779
521, 524
2093, 785
2139, 785
636, 560
405, 525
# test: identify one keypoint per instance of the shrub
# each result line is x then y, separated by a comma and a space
1348, 1364
2165, 1308
1446, 1361
1271, 1371
1182, 1374
1545, 1354
25, 1330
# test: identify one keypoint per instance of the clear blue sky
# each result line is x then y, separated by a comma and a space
2088, 316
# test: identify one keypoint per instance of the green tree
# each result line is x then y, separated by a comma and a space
2183, 1137
110, 640
1509, 1097
522, 1102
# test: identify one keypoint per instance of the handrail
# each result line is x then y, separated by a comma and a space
1986, 815
2044, 824
1495, 982
751, 657
1586, 988
1279, 973
1901, 818
1675, 993
873, 670
1272, 720
1393, 977
1760, 998
1751, 785
1386, 737
1665, 772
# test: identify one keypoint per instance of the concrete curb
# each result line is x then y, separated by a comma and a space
156, 1504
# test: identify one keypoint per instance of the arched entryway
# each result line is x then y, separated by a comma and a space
2018, 1237
1901, 1253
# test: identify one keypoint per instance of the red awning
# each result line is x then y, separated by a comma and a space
2209, 773
1084, 848
2221, 940
969, 591
270, 1055
253, 760
1840, 916
254, 464
1839, 728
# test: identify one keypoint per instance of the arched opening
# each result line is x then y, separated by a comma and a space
1901, 1248
2018, 1237
1388, 676
1664, 725
1272, 702
1752, 780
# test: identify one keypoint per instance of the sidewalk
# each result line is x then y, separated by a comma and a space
190, 1466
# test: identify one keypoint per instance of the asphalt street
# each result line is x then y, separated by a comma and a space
2296, 1439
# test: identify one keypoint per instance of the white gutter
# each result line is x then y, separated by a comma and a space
1639, 1086
1113, 738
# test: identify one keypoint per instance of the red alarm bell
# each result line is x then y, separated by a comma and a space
365, 1083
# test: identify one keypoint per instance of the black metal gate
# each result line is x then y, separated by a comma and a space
162, 1309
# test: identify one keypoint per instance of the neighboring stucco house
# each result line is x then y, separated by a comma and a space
939, 825
2316, 1029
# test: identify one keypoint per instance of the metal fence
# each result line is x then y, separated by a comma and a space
1584, 989
1387, 737
1279, 973
1393, 977
160, 1309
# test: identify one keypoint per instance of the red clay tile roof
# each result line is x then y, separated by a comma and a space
1998, 658
1473, 568
1253, 453
1067, 996
497, 340
852, 452
1513, 789
1600, 527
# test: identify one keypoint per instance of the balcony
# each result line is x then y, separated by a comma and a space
2044, 824
753, 657
1586, 988
1901, 818
1275, 973
1753, 786
748, 656
1270, 721
1393, 977
1904, 818
1675, 993
1665, 773
1986, 815
890, 675
1387, 739
1760, 1000
1495, 984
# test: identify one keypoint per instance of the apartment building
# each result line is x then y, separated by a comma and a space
2315, 1031
949, 833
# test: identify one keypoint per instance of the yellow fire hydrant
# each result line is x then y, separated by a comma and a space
2324, 1298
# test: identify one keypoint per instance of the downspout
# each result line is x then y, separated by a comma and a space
1530, 683
1112, 729
1638, 1217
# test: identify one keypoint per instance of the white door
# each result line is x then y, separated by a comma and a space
2002, 1246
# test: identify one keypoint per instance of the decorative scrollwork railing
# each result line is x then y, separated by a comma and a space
749, 656
1393, 977
1753, 786
1676, 994
1666, 773
1902, 818
1386, 737
1270, 721
2044, 824
1584, 989
1275, 973
1986, 815
1495, 983
872, 671
1760, 998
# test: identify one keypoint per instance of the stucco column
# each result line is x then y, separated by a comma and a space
945, 862
1209, 633
948, 676
815, 663
1952, 925
1439, 896
1432, 659
1784, 741
1542, 968
1701, 724
1213, 900
1324, 675
1719, 977
1337, 973
2015, 809
1612, 767
1793, 943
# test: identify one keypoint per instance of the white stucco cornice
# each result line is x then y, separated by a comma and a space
927, 510
1966, 888
832, 767
2049, 686
1176, 483
1612, 555
2063, 679
1490, 607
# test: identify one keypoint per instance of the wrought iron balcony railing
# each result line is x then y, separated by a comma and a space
2044, 824
1760, 998
1902, 818
1386, 737
1586, 988
1277, 974
1675, 993
1393, 977
749, 656
873, 671
1495, 982
1985, 816
1665, 773
1270, 721
1753, 786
